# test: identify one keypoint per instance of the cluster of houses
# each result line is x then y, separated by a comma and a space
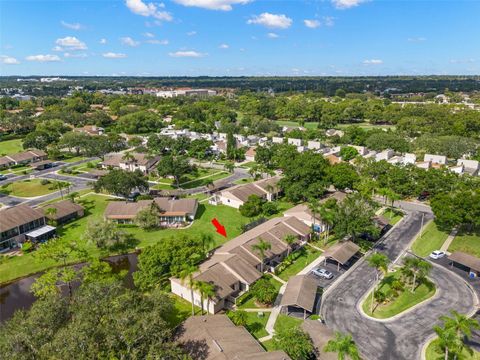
36, 158
24, 223
130, 161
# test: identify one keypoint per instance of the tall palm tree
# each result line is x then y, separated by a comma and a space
207, 242
209, 293
240, 318
314, 207
418, 269
186, 274
198, 286
72, 196
447, 339
461, 324
380, 262
128, 157
327, 213
229, 166
261, 247
344, 346
289, 239
209, 184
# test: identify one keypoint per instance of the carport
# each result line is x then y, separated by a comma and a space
341, 252
466, 261
300, 293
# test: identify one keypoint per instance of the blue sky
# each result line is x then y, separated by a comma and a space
239, 37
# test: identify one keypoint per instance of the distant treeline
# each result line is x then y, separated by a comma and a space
326, 85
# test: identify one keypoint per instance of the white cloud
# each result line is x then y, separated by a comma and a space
272, 35
224, 5
417, 39
103, 41
373, 62
75, 55
128, 41
8, 60
347, 4
328, 21
223, 46
312, 24
69, 43
72, 26
148, 10
157, 42
112, 55
192, 33
187, 53
43, 58
149, 35
274, 21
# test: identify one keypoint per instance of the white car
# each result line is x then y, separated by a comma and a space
437, 254
322, 273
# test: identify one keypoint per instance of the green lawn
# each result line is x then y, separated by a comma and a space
201, 182
465, 241
10, 147
392, 216
432, 239
95, 205
28, 188
366, 126
307, 255
182, 310
434, 352
287, 322
307, 125
247, 301
243, 181
70, 158
255, 323
17, 170
405, 300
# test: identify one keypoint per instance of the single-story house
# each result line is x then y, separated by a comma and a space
277, 140
435, 159
90, 130
216, 337
314, 145
15, 222
300, 293
296, 142
63, 212
238, 195
236, 264
23, 158
409, 158
171, 211
384, 155
138, 161
250, 153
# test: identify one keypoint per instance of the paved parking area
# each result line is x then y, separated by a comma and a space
332, 267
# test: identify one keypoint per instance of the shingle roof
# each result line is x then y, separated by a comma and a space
342, 252
216, 337
259, 188
18, 215
177, 206
467, 260
139, 159
301, 291
124, 209
64, 208
27, 155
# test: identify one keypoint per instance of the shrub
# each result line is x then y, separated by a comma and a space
67, 170
269, 208
264, 291
90, 165
27, 247
44, 182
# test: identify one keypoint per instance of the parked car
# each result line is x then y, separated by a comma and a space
323, 273
423, 196
437, 254
3, 177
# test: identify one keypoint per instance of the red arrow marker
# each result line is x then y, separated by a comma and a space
220, 228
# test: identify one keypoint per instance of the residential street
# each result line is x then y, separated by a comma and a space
404, 337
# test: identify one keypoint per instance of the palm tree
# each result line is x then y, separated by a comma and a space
392, 196
289, 239
207, 242
240, 317
461, 324
209, 184
314, 207
417, 267
186, 274
209, 293
229, 166
261, 247
344, 346
327, 213
72, 196
128, 157
378, 261
447, 339
198, 286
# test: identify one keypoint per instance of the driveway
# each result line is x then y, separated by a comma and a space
404, 337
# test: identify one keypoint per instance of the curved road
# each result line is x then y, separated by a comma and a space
404, 337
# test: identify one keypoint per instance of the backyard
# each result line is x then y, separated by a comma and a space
393, 216
283, 322
247, 301
405, 299
432, 239
466, 241
29, 188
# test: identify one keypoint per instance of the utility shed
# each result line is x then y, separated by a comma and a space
300, 293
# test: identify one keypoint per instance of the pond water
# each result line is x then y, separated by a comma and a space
16, 295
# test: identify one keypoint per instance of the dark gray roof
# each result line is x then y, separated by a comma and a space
301, 291
342, 252
467, 260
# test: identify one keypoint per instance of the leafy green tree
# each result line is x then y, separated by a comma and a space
252, 207
121, 182
75, 140
461, 324
380, 262
239, 317
261, 249
417, 268
148, 218
264, 291
175, 166
448, 341
343, 176
39, 140
186, 275
344, 346
105, 234
348, 153
295, 342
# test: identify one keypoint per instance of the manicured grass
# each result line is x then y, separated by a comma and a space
256, 324
392, 216
28, 188
307, 125
162, 187
17, 170
307, 255
95, 205
269, 345
432, 239
465, 241
243, 181
435, 352
286, 322
72, 158
182, 310
248, 164
11, 146
247, 300
366, 126
405, 300
201, 182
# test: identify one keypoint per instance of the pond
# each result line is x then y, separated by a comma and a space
17, 296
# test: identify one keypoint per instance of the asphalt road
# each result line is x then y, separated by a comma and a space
404, 337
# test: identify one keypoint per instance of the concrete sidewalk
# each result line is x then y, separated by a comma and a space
449, 240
